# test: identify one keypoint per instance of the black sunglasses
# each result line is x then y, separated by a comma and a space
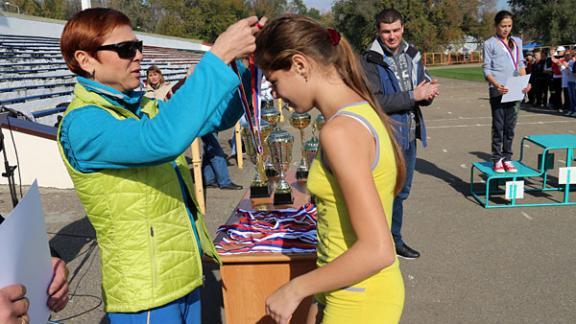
125, 50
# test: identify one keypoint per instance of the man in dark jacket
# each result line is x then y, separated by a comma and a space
397, 78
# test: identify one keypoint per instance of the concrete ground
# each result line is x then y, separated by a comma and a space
478, 265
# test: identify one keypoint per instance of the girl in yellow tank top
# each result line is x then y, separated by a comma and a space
355, 177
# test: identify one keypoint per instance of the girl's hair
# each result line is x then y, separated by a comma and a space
280, 39
501, 15
154, 68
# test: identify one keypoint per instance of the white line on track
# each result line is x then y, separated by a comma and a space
489, 117
445, 150
463, 166
526, 215
490, 125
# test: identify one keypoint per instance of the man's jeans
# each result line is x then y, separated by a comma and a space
503, 123
214, 168
572, 96
398, 208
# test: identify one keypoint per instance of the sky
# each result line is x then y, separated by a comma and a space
326, 5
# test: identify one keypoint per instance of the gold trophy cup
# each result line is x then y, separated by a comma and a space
260, 186
301, 121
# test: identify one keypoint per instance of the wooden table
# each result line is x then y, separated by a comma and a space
248, 279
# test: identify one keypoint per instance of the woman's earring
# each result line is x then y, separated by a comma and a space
93, 74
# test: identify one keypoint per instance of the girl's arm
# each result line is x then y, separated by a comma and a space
349, 158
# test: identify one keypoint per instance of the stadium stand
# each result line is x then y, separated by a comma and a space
36, 83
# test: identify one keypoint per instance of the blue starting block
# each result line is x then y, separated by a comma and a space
492, 179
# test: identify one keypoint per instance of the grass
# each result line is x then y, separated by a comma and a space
460, 73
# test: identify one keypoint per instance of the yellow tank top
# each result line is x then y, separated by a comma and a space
335, 232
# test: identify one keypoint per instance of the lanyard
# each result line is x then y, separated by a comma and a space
514, 61
251, 109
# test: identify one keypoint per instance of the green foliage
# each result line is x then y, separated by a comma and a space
432, 24
548, 21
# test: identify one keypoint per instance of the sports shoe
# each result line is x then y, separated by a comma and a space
498, 167
509, 167
406, 252
231, 186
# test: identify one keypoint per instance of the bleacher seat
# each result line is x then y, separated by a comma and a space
36, 79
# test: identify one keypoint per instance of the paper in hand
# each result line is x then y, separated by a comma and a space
515, 85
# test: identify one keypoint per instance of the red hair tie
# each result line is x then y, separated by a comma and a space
334, 36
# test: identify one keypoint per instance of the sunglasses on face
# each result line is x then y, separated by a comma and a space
125, 50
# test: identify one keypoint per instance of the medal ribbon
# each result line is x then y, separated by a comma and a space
514, 61
250, 115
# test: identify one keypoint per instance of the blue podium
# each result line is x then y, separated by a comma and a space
548, 143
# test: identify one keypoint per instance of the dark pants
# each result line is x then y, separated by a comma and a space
540, 91
556, 93
503, 123
398, 208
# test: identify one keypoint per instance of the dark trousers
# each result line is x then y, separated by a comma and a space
503, 123
398, 206
556, 93
540, 91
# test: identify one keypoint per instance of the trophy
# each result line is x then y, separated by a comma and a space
260, 187
301, 121
280, 142
311, 146
272, 116
319, 122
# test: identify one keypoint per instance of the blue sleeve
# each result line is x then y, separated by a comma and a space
487, 53
93, 139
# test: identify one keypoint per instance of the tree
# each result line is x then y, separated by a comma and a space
548, 21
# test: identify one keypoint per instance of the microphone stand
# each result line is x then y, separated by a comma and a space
8, 173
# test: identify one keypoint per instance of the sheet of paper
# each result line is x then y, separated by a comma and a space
515, 86
25, 255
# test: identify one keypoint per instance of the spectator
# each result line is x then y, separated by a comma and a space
502, 60
398, 80
539, 79
124, 154
566, 76
156, 87
358, 279
214, 166
557, 60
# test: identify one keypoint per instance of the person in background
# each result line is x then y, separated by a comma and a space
214, 166
156, 87
503, 59
399, 81
539, 79
355, 177
557, 60
124, 153
571, 85
566, 76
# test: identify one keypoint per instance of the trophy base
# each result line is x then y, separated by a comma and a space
260, 191
283, 198
302, 175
